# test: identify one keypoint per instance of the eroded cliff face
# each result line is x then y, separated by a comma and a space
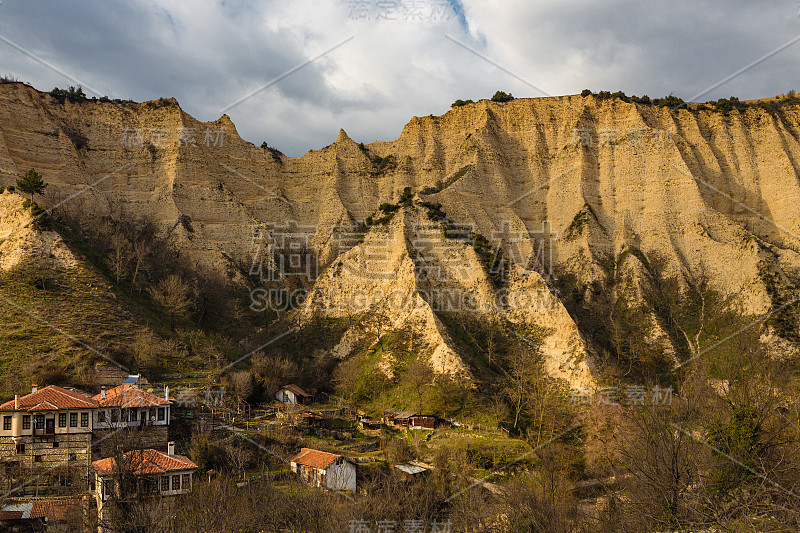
556, 182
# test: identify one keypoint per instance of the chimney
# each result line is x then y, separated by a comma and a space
166, 393
16, 402
103, 393
34, 388
171, 448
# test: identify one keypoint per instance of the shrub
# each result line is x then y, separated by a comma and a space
72, 94
384, 163
435, 211
459, 103
501, 96
669, 101
641, 100
276, 154
388, 208
726, 105
586, 92
186, 222
407, 197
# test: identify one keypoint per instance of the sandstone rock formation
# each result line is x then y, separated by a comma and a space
554, 182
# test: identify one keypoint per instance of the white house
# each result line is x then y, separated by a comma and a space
127, 406
325, 470
156, 474
293, 394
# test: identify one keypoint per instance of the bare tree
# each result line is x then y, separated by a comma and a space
173, 293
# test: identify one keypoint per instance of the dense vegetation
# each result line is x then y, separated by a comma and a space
723, 106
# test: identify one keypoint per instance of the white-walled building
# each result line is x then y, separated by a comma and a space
156, 474
48, 431
325, 470
293, 394
129, 406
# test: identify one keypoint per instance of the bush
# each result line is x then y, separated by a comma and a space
586, 92
388, 208
669, 101
726, 105
501, 96
384, 163
72, 94
459, 103
407, 197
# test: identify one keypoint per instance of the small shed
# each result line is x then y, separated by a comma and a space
325, 470
292, 394
408, 420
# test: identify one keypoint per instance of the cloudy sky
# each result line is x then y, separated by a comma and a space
314, 66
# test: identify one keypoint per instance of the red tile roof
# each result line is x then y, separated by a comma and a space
55, 509
51, 398
297, 390
315, 458
144, 462
129, 396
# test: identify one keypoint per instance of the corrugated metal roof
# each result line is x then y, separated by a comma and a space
410, 469
53, 509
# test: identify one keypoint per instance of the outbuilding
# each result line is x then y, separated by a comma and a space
325, 470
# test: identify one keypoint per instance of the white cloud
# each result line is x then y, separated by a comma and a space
210, 53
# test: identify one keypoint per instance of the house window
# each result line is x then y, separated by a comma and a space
73, 420
55, 444
38, 421
37, 458
84, 420
101, 416
7, 423
20, 449
73, 457
161, 414
132, 415
114, 415
106, 488
26, 421
186, 481
165, 484
176, 482
62, 420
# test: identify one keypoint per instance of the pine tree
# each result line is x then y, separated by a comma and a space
31, 183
